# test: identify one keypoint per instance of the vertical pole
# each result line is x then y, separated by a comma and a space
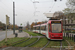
6, 31
64, 25
7, 23
70, 36
64, 34
74, 38
13, 17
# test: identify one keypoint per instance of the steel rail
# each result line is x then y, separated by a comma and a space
22, 41
60, 45
31, 43
45, 45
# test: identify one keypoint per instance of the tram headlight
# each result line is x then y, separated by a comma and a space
52, 35
60, 35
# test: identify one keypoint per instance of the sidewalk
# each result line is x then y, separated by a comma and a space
22, 34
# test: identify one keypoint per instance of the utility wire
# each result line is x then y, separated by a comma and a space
49, 8
5, 7
52, 7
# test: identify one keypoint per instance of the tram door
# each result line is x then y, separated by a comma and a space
49, 30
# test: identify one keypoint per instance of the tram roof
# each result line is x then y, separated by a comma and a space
39, 25
36, 25
44, 24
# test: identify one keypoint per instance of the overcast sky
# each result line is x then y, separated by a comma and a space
25, 10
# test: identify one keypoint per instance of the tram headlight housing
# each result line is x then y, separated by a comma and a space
52, 35
61, 35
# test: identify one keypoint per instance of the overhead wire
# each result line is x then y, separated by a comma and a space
48, 9
5, 7
34, 10
52, 7
35, 7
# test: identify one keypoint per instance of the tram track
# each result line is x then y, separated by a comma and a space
60, 45
45, 45
22, 41
69, 47
31, 43
18, 43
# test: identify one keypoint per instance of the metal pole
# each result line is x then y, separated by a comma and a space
74, 37
70, 36
13, 17
64, 25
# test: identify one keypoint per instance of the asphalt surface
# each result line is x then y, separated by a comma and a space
3, 34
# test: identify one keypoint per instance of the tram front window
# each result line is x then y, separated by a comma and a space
56, 28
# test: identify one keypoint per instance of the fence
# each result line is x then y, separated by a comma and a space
71, 36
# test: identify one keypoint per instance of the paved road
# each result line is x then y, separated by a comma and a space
3, 33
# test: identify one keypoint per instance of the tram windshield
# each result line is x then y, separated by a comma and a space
56, 28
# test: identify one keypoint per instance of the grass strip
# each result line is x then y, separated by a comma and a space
26, 43
33, 34
10, 41
53, 44
19, 42
56, 44
70, 41
64, 43
42, 42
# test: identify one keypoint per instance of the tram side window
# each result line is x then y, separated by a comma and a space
34, 28
43, 27
37, 28
49, 27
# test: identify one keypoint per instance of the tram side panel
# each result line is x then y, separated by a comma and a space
34, 29
47, 30
38, 29
43, 29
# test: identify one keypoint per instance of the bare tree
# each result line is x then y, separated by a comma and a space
71, 4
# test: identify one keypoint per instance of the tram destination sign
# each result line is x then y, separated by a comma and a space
56, 22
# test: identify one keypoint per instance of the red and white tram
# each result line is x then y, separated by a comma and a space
53, 29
